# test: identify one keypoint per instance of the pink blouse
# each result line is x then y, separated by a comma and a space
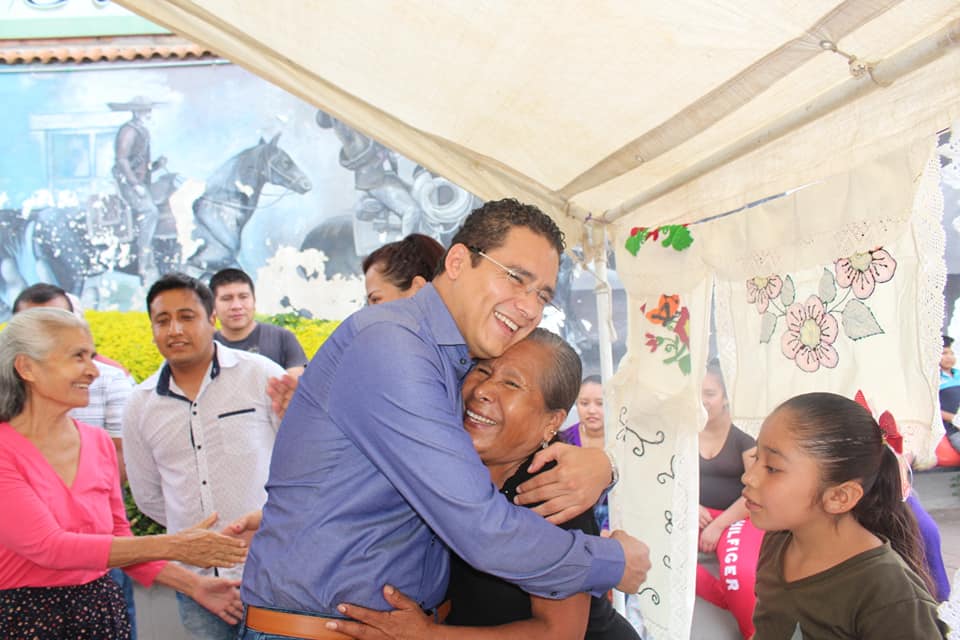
53, 535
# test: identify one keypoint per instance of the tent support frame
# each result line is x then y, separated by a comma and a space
883, 74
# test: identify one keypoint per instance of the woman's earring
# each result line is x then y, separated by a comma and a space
546, 441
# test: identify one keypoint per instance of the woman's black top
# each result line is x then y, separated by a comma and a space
481, 600
720, 483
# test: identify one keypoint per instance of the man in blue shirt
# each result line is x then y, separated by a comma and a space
373, 477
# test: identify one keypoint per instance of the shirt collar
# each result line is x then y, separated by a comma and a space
163, 381
438, 316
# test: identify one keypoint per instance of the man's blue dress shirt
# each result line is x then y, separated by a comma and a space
373, 479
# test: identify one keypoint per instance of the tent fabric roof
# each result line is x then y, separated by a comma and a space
606, 109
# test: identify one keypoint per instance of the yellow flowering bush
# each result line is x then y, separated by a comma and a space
126, 337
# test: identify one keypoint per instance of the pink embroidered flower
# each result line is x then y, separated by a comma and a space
862, 271
810, 334
762, 290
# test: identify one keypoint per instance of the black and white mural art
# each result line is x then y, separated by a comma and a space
114, 174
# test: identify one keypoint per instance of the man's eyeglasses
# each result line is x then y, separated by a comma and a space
521, 282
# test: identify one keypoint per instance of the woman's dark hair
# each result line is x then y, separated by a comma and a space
593, 379
947, 341
560, 379
713, 368
847, 444
403, 260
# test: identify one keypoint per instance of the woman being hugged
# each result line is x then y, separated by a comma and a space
841, 557
64, 523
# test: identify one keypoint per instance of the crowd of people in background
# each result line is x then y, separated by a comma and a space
407, 483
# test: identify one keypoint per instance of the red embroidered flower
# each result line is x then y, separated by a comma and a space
682, 328
652, 342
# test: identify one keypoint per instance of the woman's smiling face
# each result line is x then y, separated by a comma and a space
505, 413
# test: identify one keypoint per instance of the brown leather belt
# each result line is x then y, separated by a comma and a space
294, 625
298, 625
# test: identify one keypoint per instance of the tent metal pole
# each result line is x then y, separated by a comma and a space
883, 74
604, 304
605, 344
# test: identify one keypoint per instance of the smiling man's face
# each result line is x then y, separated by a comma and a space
494, 311
182, 330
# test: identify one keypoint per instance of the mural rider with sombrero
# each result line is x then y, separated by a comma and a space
132, 169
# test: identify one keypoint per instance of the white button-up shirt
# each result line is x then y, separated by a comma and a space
108, 397
186, 459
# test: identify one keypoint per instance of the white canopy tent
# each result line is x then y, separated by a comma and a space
613, 115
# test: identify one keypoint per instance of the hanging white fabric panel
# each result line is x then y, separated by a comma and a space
837, 287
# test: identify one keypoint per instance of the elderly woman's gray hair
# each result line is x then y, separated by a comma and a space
560, 380
32, 333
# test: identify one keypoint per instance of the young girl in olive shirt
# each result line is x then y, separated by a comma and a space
841, 558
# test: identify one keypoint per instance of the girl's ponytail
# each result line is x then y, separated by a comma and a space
883, 511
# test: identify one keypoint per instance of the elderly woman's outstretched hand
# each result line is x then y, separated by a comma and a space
201, 547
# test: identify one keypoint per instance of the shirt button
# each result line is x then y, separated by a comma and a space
205, 482
554, 594
199, 446
463, 361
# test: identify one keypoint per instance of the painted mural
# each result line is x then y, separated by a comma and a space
115, 175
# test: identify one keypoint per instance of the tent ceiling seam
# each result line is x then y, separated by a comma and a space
729, 96
884, 74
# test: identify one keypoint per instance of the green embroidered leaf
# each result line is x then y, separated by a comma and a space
677, 236
633, 244
789, 292
859, 321
768, 324
828, 287
684, 363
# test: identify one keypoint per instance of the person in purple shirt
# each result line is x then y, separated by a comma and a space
373, 480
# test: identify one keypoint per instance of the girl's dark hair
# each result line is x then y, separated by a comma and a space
847, 444
404, 260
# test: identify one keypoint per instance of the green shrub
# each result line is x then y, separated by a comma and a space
126, 337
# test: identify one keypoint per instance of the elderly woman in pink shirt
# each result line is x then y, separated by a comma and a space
64, 523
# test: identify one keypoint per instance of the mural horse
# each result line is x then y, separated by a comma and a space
68, 245
230, 200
